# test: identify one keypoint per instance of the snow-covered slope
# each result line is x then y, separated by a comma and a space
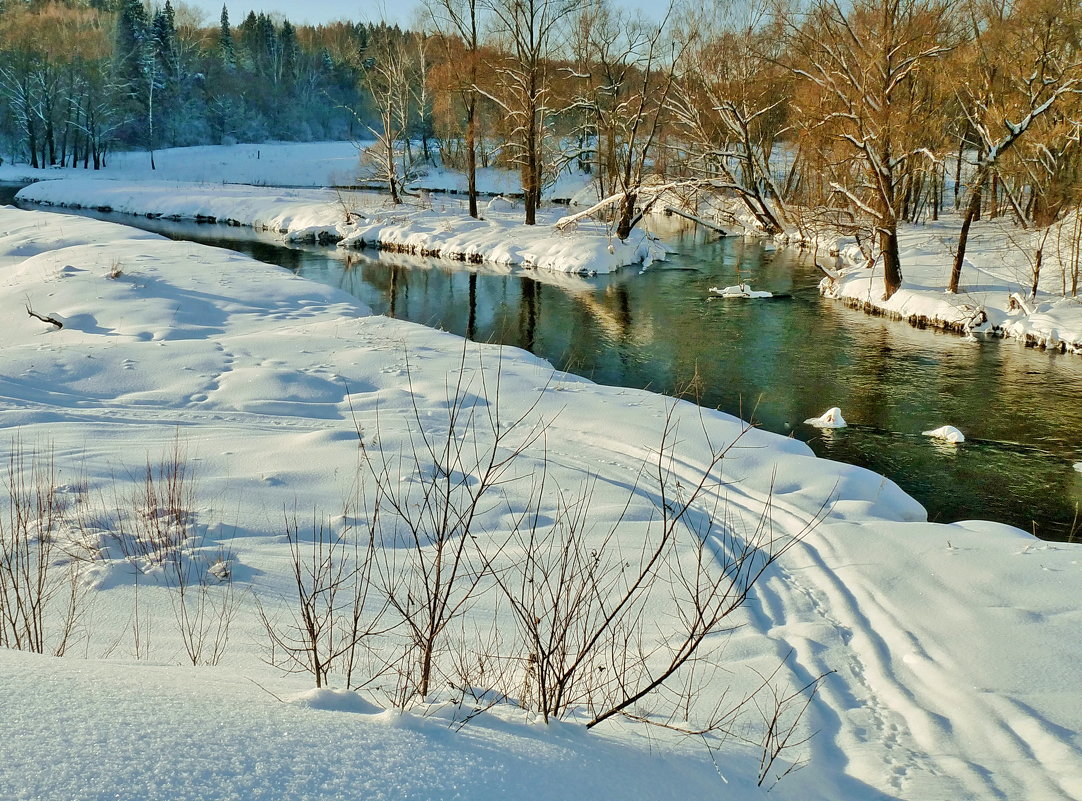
313, 164
954, 647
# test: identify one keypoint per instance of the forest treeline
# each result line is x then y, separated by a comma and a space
857, 115
79, 79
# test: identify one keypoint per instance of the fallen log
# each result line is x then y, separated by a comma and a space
699, 220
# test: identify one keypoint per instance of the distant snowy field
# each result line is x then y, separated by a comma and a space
955, 647
312, 164
289, 164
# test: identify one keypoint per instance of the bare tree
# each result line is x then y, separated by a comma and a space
388, 73
862, 66
529, 28
462, 18
631, 76
732, 104
1004, 98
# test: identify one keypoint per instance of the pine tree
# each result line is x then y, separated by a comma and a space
287, 41
164, 38
226, 50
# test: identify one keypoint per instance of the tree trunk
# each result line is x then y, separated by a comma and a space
958, 170
627, 216
471, 153
892, 266
1037, 261
972, 212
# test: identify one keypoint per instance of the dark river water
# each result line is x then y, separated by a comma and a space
776, 362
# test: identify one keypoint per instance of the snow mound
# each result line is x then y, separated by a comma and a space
831, 418
1078, 466
741, 291
947, 434
329, 700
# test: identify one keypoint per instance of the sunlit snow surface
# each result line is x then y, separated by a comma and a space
954, 647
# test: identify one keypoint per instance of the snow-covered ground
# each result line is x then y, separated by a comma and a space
282, 164
994, 294
954, 648
302, 164
435, 226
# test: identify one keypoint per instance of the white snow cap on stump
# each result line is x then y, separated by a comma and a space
947, 434
831, 418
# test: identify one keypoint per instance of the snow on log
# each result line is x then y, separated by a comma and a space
695, 219
740, 291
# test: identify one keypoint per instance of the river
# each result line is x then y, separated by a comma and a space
775, 362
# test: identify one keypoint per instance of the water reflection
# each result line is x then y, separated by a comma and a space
778, 361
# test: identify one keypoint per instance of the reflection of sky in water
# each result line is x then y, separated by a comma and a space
776, 361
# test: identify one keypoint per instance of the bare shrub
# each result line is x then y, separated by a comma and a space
330, 618
204, 600
41, 593
580, 598
457, 469
156, 531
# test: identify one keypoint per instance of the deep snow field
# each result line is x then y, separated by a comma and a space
954, 648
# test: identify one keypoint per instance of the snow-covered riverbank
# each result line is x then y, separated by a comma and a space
438, 228
954, 646
995, 293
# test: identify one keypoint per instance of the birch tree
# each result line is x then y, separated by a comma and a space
387, 77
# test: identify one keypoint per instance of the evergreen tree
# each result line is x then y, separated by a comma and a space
164, 39
287, 42
226, 50
131, 35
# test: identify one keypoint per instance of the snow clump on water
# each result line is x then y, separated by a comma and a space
831, 418
947, 434
741, 291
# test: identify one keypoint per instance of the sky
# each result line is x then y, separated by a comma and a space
317, 11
